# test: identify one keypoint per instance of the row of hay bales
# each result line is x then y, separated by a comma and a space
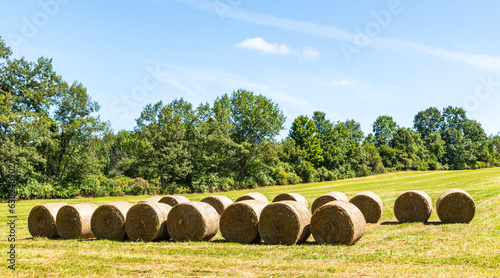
251, 218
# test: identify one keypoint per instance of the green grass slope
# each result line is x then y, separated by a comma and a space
387, 248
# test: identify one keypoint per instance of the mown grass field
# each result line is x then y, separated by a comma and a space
387, 248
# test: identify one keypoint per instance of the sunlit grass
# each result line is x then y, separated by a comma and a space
386, 249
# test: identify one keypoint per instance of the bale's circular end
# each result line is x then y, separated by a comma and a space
455, 206
218, 202
108, 221
193, 221
240, 222
369, 204
174, 200
42, 220
147, 221
413, 206
285, 222
73, 221
338, 222
257, 196
328, 197
292, 197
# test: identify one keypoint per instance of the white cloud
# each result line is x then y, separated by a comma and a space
264, 47
342, 83
335, 33
310, 53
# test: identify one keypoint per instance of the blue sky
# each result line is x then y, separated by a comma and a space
351, 59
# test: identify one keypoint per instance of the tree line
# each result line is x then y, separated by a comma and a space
51, 132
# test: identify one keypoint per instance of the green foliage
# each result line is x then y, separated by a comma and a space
50, 131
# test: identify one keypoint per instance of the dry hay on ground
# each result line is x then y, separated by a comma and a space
292, 197
73, 221
174, 200
285, 222
413, 206
193, 221
369, 204
147, 221
328, 197
42, 220
455, 206
240, 222
108, 221
219, 202
338, 222
257, 196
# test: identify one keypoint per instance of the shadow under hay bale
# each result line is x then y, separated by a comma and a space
73, 221
240, 222
174, 200
193, 221
108, 221
292, 197
413, 206
455, 206
369, 204
218, 202
328, 197
147, 221
257, 196
338, 222
42, 220
285, 222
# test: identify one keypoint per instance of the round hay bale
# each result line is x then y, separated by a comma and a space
193, 221
328, 197
108, 221
73, 221
147, 221
240, 222
292, 197
257, 196
42, 220
338, 222
285, 222
219, 202
369, 204
455, 206
413, 206
154, 199
174, 200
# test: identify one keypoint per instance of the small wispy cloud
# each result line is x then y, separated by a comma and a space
259, 44
264, 47
342, 83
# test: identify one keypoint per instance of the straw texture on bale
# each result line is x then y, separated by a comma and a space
154, 199
257, 196
42, 220
413, 206
338, 222
292, 197
174, 200
240, 221
147, 221
193, 221
219, 202
73, 221
285, 222
108, 221
328, 197
455, 206
369, 204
